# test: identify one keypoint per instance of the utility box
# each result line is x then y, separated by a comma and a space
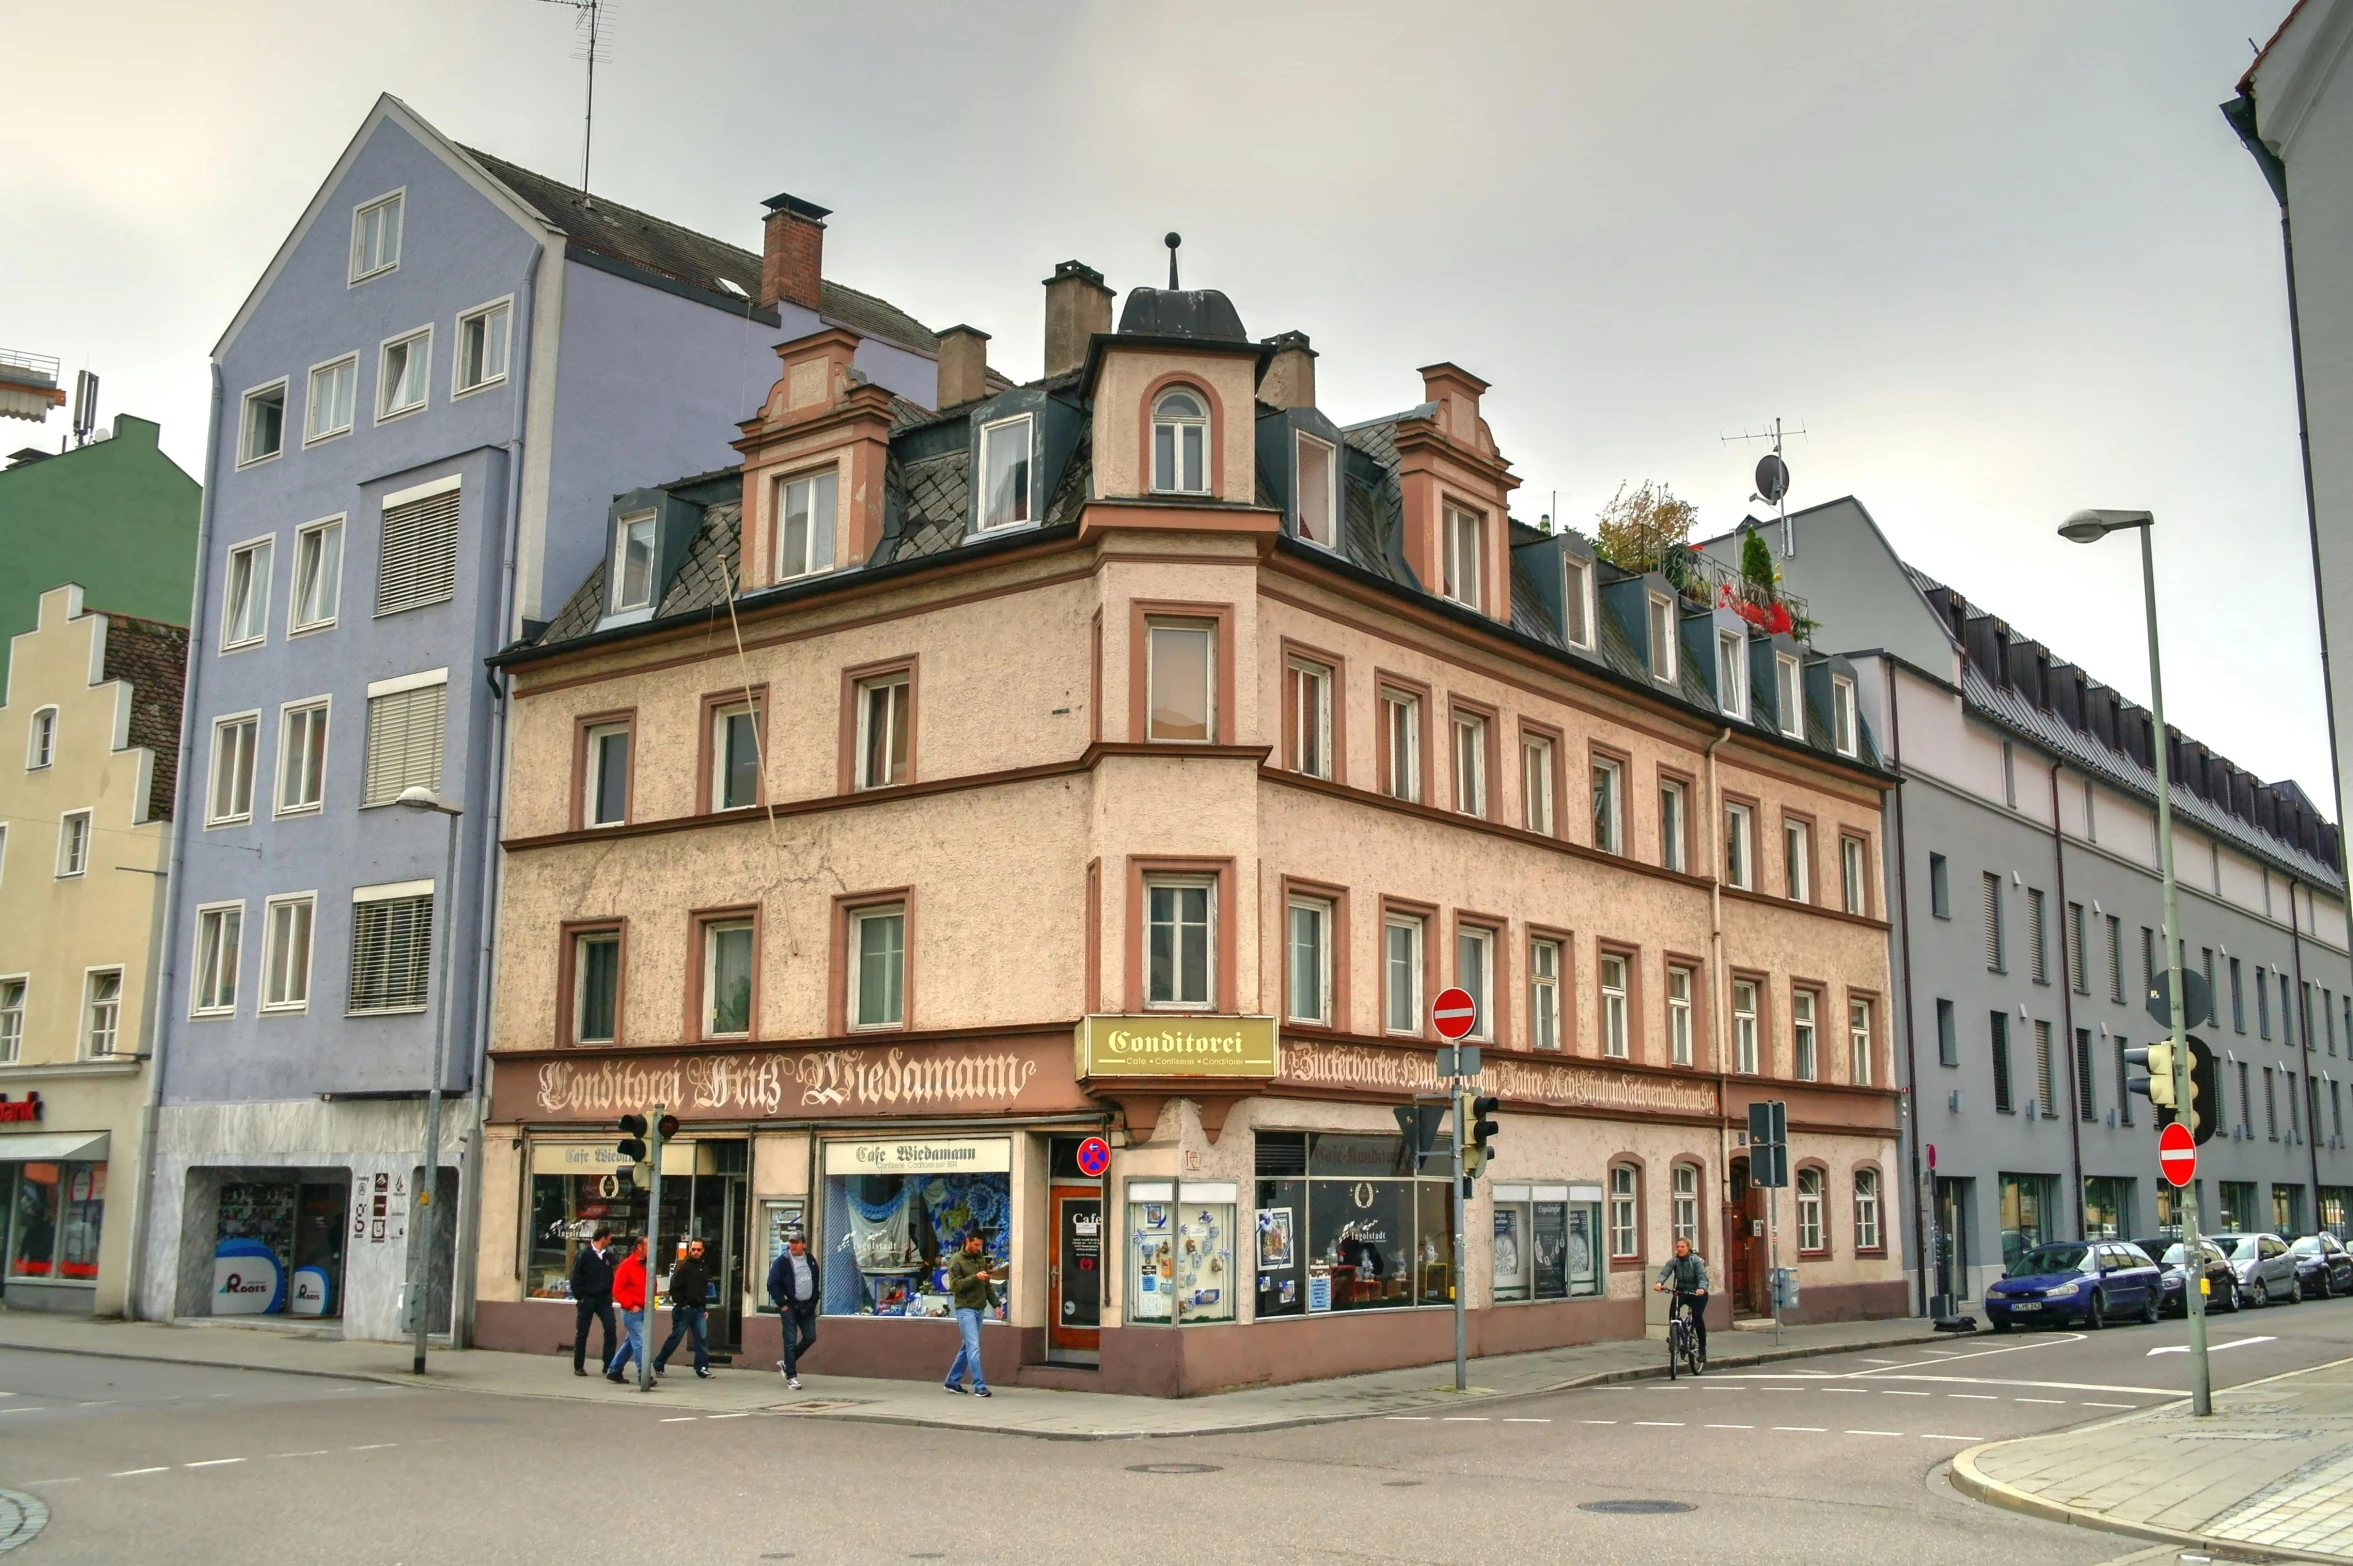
1785, 1287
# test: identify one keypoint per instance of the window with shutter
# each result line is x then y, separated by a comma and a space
404, 742
420, 560
1993, 923
391, 953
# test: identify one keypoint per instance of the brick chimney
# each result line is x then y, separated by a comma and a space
1078, 305
792, 254
1290, 375
964, 366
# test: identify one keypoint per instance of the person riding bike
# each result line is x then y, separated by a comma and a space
1687, 1273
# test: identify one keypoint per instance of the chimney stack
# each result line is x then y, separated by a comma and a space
964, 366
792, 254
1078, 305
1290, 375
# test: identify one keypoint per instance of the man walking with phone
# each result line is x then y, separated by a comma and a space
972, 1292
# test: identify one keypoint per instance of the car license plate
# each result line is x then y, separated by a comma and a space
2026, 1305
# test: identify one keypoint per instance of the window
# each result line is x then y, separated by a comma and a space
420, 564
1852, 894
1940, 890
2238, 1001
2116, 963
1790, 686
1859, 1055
1624, 1234
405, 722
1311, 717
102, 1009
318, 575
1317, 488
2038, 957
633, 563
1401, 739
2000, 1040
1662, 637
1679, 1038
261, 431
12, 1020
375, 237
1179, 928
1732, 673
604, 789
878, 943
231, 798
245, 610
1993, 924
333, 389
482, 347
1801, 1035
2123, 1092
804, 526
1401, 974
41, 740
1685, 1219
727, 978
1810, 1236
1536, 783
219, 932
73, 843
401, 374
1180, 443
1948, 1035
2046, 1083
1866, 1209
1180, 698
1309, 990
1797, 860
735, 756
1608, 833
2077, 980
1576, 601
2149, 968
1544, 994
1474, 970
1671, 828
2270, 1106
2246, 1104
1465, 556
596, 987
1744, 1026
1005, 473
1470, 764
885, 719
302, 757
1739, 847
391, 948
1846, 731
286, 935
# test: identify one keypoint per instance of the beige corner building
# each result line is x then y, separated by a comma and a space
89, 736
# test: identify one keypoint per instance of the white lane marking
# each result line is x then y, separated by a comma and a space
1411, 1419
128, 1473
103, 1402
1512, 1421
214, 1462
1662, 1424
1450, 1419
1597, 1421
2211, 1348
321, 1452
1875, 1432
1951, 1438
1976, 1397
681, 1419
1868, 1360
1731, 1427
373, 1446
746, 1415
31, 1482
2089, 1404
1806, 1429
2055, 1402
2058, 1386
1713, 1388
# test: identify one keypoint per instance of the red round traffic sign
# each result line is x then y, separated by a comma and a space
1455, 1013
2177, 1154
1094, 1156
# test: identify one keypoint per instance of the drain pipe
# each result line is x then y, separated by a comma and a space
2067, 974
2304, 1053
1903, 899
1722, 985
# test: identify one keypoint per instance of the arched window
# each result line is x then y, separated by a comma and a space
1866, 1209
1180, 443
1624, 1233
1810, 1235
1686, 1204
41, 740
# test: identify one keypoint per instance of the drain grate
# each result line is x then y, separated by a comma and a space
1635, 1508
1175, 1468
21, 1517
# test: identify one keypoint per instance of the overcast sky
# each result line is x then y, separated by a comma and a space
2001, 261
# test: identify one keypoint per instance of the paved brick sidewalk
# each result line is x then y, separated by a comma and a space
2268, 1477
1019, 1410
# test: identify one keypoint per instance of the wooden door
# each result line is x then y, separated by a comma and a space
1744, 1243
1075, 1306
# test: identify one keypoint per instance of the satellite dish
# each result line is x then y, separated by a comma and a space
1772, 478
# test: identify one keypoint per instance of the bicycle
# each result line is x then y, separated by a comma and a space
1682, 1342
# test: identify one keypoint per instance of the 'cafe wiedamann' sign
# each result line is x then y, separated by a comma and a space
1156, 1046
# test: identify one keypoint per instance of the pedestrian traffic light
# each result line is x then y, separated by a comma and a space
1481, 1145
2157, 1061
1420, 1121
633, 1138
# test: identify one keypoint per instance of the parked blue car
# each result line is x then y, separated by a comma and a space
2078, 1283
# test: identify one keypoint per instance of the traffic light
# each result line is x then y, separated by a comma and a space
633, 1138
2205, 1106
1420, 1121
667, 1126
2157, 1061
1480, 1147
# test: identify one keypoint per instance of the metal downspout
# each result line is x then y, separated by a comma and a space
2067, 971
1722, 987
1903, 893
2303, 1017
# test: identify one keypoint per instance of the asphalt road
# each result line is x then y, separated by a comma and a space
1822, 1461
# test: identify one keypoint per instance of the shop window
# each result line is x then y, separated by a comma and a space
1474, 971
878, 944
1401, 745
735, 756
1544, 1245
1544, 994
1625, 1206
1180, 698
1686, 1213
1310, 974
1867, 1210
1401, 974
1679, 1016
1180, 932
1744, 1026
1180, 443
1342, 1223
1614, 1041
568, 1208
1802, 1005
54, 1220
727, 978
1811, 1236
895, 1213
1181, 1250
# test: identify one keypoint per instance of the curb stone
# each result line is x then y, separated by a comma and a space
1977, 1486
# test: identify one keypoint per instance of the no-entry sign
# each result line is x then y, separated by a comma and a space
2177, 1154
1455, 1013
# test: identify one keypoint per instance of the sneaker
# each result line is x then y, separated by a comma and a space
952, 1387
615, 1377
794, 1382
701, 1374
982, 1392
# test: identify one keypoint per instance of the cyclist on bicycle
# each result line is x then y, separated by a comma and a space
1687, 1273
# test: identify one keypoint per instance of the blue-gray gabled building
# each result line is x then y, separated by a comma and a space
419, 415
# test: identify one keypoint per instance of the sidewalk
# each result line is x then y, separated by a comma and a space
1030, 1411
2269, 1477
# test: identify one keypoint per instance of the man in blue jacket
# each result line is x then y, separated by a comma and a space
793, 1288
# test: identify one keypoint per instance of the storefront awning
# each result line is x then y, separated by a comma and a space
80, 1146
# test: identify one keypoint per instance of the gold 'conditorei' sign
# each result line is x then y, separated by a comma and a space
1154, 1046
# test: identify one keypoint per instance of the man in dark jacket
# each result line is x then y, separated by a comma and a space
690, 1294
792, 1287
972, 1295
592, 1297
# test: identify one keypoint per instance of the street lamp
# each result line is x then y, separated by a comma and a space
422, 1214
2086, 527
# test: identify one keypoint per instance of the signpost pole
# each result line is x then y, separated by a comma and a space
1462, 1110
653, 1254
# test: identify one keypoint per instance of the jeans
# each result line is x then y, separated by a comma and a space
799, 1324
632, 1340
684, 1319
968, 1329
1699, 1318
586, 1311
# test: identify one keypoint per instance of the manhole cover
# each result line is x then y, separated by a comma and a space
21, 1517
1634, 1508
1174, 1468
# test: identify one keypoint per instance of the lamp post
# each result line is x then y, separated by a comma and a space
423, 1215
2086, 527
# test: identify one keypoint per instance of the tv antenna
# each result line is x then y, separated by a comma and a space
588, 25
1773, 479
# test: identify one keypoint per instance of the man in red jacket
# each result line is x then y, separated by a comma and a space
629, 1293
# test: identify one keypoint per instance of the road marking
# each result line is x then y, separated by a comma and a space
321, 1452
1875, 1432
1450, 1419
1976, 1397
2211, 1348
1951, 1438
1856, 1390
745, 1415
2111, 1405
104, 1401
30, 1482
1806, 1429
2057, 1386
681, 1419
128, 1473
1892, 1392
2055, 1402
1511, 1421
1868, 1360
1662, 1424
1731, 1427
1411, 1418
1597, 1421
1713, 1388
214, 1462
373, 1446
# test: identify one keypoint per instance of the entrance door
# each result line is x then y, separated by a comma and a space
321, 1212
1952, 1237
1744, 1242
1077, 1283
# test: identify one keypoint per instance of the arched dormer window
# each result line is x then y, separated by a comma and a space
1180, 443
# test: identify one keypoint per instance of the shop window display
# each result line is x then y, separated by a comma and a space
1545, 1242
1364, 1231
888, 1238
54, 1222
1181, 1251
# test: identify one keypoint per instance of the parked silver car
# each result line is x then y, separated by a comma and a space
2265, 1265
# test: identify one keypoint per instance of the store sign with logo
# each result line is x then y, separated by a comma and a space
1561, 1084
22, 1109
920, 1155
1153, 1046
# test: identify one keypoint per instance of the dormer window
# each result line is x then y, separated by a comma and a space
1180, 443
1845, 731
633, 563
1732, 673
804, 524
1465, 534
1662, 637
1005, 471
1315, 489
1577, 601
1792, 692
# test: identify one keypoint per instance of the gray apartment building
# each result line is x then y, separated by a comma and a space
2025, 911
421, 414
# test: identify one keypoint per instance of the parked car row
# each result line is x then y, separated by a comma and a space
2090, 1283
